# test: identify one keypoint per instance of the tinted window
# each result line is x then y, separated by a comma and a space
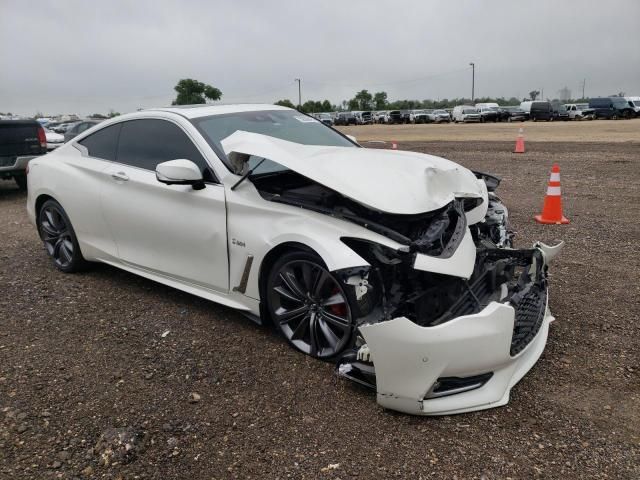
103, 143
146, 143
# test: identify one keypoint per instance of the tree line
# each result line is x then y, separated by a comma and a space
365, 100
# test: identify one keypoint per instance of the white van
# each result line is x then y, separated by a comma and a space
465, 113
634, 102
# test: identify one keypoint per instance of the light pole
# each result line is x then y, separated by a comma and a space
473, 80
299, 80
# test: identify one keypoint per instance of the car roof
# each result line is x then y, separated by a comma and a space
197, 111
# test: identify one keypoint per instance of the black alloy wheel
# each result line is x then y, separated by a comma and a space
309, 306
59, 238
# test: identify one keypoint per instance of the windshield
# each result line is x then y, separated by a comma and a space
284, 124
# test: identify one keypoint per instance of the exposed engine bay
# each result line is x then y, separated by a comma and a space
391, 287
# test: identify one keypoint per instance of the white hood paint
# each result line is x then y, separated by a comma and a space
384, 180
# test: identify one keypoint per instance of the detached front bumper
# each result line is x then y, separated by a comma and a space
409, 360
468, 363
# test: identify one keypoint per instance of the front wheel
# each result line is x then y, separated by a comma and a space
308, 305
59, 238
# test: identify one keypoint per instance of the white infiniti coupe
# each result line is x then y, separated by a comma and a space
396, 265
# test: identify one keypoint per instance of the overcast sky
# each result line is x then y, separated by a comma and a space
78, 56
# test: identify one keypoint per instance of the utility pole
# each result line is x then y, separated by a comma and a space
473, 80
299, 80
584, 81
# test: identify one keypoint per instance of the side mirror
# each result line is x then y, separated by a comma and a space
180, 172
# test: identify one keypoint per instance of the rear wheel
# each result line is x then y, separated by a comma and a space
308, 305
59, 239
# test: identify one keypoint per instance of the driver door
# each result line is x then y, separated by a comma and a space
168, 230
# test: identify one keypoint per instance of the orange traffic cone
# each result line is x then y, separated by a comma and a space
552, 209
519, 142
394, 145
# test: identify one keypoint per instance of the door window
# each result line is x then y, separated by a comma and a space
104, 143
146, 143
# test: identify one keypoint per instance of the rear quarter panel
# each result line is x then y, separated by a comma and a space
74, 181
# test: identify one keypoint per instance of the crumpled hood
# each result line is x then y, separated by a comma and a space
385, 180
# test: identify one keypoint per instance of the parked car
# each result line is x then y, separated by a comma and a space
634, 102
54, 140
417, 293
611, 108
488, 114
63, 127
560, 112
20, 141
393, 116
325, 118
345, 118
379, 117
419, 116
579, 111
538, 110
363, 118
439, 116
487, 105
513, 114
405, 116
465, 113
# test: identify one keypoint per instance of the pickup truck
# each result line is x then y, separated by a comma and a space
20, 141
579, 111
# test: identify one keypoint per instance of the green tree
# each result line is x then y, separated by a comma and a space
353, 104
285, 103
380, 100
364, 99
326, 106
533, 94
113, 113
191, 92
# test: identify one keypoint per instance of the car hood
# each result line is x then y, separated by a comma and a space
389, 181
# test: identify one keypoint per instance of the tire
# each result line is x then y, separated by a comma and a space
309, 306
21, 181
59, 238
509, 120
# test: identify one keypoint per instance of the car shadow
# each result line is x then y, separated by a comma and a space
10, 191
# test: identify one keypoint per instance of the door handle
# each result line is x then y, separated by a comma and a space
120, 176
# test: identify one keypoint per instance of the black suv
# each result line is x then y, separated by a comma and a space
394, 116
345, 118
611, 108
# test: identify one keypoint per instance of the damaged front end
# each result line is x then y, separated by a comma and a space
436, 336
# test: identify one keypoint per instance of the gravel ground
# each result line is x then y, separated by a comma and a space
573, 131
201, 392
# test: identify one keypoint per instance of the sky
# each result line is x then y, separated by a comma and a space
83, 56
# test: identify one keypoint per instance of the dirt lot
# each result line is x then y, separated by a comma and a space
583, 131
82, 353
